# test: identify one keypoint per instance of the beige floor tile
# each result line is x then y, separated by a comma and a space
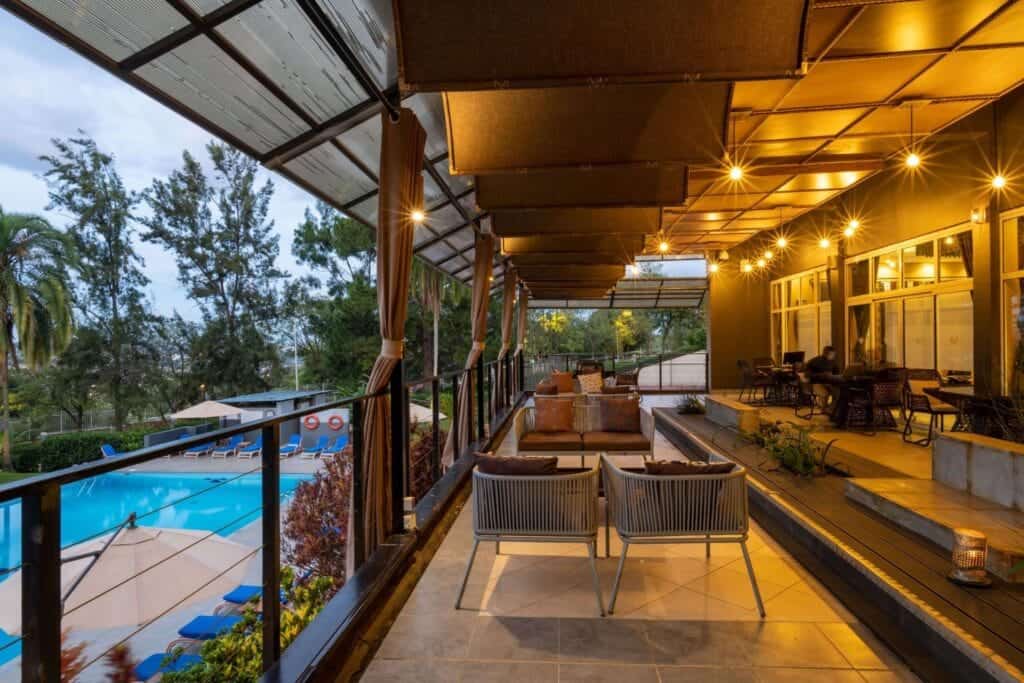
606, 673
411, 671
498, 672
807, 676
515, 638
696, 674
786, 644
853, 645
417, 636
683, 603
603, 640
802, 603
733, 586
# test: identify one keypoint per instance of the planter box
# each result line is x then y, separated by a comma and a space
989, 468
732, 414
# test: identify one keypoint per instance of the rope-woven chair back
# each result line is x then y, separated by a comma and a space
552, 505
886, 394
687, 505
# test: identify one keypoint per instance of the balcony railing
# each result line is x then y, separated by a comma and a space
40, 499
665, 371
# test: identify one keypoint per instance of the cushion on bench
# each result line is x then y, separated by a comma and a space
620, 415
563, 380
553, 415
490, 464
550, 441
674, 467
615, 441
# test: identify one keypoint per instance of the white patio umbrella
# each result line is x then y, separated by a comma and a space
206, 409
418, 413
142, 573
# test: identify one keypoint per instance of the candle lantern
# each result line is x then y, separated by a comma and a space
970, 549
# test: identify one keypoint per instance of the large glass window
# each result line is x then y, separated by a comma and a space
887, 272
858, 333
801, 314
920, 332
888, 338
860, 277
956, 254
955, 318
919, 265
1013, 310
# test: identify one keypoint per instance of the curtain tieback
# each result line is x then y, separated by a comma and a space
392, 348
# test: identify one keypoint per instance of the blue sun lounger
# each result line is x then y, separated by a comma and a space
161, 663
208, 626
337, 447
196, 451
252, 450
321, 445
108, 451
293, 446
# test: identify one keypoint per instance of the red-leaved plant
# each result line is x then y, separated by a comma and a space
121, 665
316, 524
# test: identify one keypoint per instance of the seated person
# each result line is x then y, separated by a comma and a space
824, 369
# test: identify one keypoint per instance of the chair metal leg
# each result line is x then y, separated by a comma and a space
618, 576
465, 577
753, 579
497, 547
592, 550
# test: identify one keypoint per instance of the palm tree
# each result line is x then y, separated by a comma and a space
34, 300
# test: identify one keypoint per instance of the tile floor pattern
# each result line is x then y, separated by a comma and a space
529, 614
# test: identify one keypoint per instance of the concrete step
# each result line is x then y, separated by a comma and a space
932, 509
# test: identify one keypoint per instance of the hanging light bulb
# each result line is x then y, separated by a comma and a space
713, 267
824, 243
663, 247
999, 182
781, 242
761, 263
418, 216
746, 267
912, 160
851, 227
735, 173
768, 254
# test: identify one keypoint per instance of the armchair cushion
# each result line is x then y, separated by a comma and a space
673, 467
496, 464
620, 415
550, 441
553, 415
616, 389
563, 380
591, 383
546, 388
615, 441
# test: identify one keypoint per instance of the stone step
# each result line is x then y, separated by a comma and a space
933, 509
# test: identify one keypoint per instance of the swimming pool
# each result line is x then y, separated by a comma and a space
177, 500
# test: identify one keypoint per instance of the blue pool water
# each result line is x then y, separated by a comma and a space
175, 500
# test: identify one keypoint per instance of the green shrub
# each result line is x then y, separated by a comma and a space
64, 450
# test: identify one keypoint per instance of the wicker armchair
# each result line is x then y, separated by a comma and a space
559, 508
706, 509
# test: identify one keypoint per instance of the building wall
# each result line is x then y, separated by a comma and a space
893, 206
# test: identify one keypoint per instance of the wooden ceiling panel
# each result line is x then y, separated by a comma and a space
798, 198
975, 72
825, 23
727, 202
853, 82
907, 26
580, 258
810, 124
625, 244
1008, 27
572, 273
836, 180
761, 95
521, 223
597, 186
750, 183
874, 146
782, 150
505, 131
535, 43
927, 118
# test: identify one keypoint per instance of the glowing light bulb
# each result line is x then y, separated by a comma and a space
824, 243
761, 263
712, 267
848, 232
768, 254
418, 216
663, 246
735, 173
949, 240
999, 182
746, 267
781, 242
912, 160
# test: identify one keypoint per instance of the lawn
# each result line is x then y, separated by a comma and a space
8, 477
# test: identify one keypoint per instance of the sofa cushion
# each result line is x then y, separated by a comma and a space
491, 464
674, 467
620, 415
546, 387
553, 415
591, 383
563, 380
550, 441
615, 441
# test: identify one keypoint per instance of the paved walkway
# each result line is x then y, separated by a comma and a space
530, 614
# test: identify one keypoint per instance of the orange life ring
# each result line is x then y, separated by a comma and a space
335, 422
311, 422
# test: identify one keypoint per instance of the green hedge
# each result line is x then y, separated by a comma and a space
63, 450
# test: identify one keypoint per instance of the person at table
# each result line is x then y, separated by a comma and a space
824, 369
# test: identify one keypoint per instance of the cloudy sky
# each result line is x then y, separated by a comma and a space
49, 91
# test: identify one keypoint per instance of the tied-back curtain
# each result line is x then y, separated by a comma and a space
507, 313
524, 299
401, 191
482, 263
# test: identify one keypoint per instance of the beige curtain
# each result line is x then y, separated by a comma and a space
508, 308
401, 191
524, 300
482, 266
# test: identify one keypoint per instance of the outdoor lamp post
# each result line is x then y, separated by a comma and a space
970, 548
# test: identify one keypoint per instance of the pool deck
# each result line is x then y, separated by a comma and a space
293, 465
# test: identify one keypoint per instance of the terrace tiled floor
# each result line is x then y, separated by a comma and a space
530, 614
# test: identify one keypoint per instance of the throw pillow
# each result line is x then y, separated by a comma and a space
563, 380
592, 383
620, 415
553, 415
672, 467
516, 465
546, 388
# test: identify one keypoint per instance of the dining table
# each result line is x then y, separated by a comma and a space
958, 396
